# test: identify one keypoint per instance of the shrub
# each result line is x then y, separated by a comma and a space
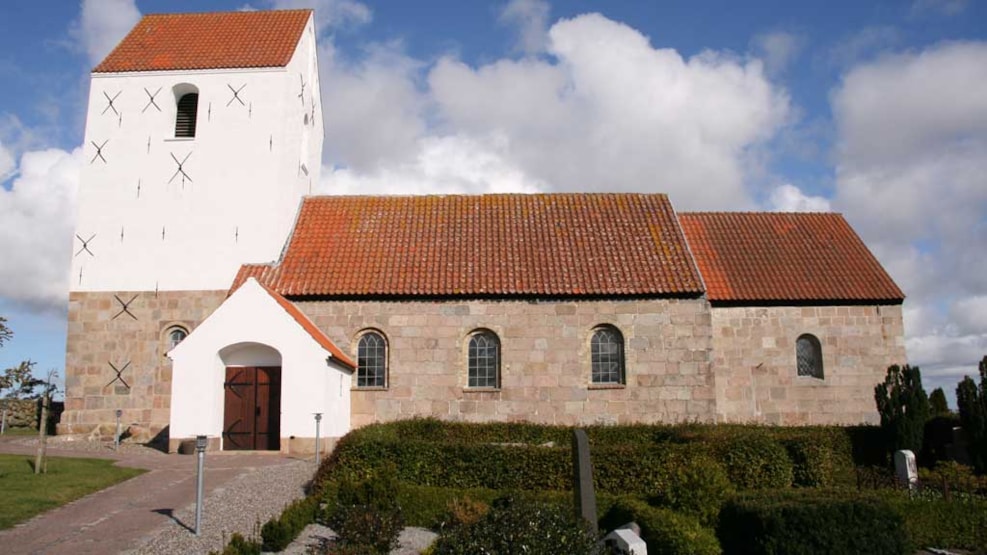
938, 436
238, 545
664, 531
812, 463
516, 526
697, 487
972, 403
957, 524
804, 521
904, 408
278, 533
755, 461
937, 403
367, 514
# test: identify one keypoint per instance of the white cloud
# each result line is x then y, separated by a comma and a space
7, 165
530, 18
329, 13
789, 198
102, 24
863, 44
778, 49
37, 216
912, 153
606, 111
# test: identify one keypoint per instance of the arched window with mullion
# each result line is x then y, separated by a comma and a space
808, 356
483, 360
607, 356
371, 360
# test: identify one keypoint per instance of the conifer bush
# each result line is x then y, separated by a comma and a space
972, 401
904, 408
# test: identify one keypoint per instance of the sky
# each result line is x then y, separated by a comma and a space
876, 110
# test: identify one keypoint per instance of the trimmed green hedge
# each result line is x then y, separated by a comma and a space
957, 524
664, 531
626, 459
796, 522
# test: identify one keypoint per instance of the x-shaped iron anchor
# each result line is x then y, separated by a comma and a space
85, 245
119, 371
109, 103
301, 95
125, 307
236, 94
150, 100
180, 169
99, 151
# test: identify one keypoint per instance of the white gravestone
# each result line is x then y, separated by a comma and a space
626, 541
905, 468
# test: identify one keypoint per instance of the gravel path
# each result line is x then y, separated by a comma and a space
243, 505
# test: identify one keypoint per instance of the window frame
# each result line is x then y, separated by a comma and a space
382, 358
473, 378
169, 331
596, 358
817, 372
180, 92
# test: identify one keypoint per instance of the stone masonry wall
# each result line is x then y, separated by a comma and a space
545, 360
755, 367
101, 333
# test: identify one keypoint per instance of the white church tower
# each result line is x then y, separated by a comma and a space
203, 133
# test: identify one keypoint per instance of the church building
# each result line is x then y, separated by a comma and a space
213, 294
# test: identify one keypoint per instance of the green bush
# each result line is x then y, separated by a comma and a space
904, 408
756, 461
972, 401
238, 545
806, 521
514, 525
697, 487
664, 531
366, 513
278, 533
957, 524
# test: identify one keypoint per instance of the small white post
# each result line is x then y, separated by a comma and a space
3, 423
200, 453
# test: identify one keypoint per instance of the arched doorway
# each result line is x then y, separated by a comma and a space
251, 397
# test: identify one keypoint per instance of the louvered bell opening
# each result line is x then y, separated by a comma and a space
188, 104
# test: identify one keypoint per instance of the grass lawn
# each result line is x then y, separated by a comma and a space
24, 494
20, 432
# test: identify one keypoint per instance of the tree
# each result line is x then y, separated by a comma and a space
18, 382
41, 459
5, 333
904, 408
972, 402
937, 403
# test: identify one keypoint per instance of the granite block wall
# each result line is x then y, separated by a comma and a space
753, 359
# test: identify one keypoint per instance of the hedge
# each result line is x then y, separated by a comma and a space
937, 523
796, 522
664, 531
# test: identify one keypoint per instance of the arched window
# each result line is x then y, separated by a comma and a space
607, 356
371, 360
484, 359
188, 106
176, 335
808, 356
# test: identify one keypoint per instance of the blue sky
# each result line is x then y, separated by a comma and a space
877, 110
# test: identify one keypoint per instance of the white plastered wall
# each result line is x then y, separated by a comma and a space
148, 226
245, 329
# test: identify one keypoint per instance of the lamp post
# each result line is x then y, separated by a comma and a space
318, 418
200, 453
116, 438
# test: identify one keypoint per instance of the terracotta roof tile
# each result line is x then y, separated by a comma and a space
208, 41
489, 245
778, 257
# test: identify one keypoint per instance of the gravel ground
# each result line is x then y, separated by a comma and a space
243, 505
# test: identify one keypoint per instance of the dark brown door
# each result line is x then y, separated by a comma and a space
252, 413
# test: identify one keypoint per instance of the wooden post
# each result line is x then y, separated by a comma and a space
40, 461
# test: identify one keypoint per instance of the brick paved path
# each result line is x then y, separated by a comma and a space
116, 519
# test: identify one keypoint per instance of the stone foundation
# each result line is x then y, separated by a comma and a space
755, 367
101, 333
290, 446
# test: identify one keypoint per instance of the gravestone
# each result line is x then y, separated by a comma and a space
583, 479
626, 541
906, 471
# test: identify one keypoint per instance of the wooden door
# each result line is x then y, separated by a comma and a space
252, 412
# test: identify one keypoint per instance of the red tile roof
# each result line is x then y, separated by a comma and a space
779, 257
311, 328
490, 245
208, 41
